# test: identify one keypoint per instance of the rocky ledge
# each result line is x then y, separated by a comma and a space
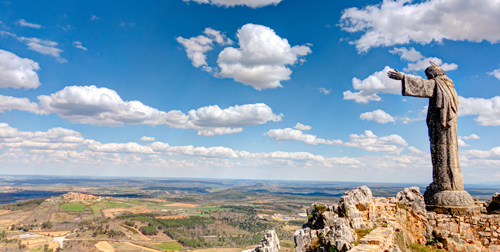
395, 223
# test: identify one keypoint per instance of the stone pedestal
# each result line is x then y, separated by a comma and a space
451, 202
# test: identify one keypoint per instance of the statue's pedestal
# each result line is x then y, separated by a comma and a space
451, 202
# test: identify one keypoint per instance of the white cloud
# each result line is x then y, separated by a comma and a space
487, 110
104, 107
231, 3
461, 143
495, 73
473, 136
301, 126
401, 22
290, 134
261, 59
376, 83
148, 139
67, 146
17, 72
324, 90
8, 103
22, 22
378, 115
78, 44
196, 47
237, 116
46, 47
371, 142
420, 62
94, 17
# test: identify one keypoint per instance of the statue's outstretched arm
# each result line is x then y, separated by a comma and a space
395, 75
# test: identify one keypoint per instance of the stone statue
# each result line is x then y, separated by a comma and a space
447, 188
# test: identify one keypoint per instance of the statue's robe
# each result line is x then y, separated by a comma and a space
442, 123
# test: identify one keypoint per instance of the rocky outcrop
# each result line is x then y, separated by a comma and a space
352, 203
396, 222
493, 205
270, 243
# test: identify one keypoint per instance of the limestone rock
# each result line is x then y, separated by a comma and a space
270, 243
412, 198
493, 205
339, 236
352, 203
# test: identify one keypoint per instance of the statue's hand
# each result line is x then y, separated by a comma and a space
395, 75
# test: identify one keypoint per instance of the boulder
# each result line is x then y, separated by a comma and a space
493, 205
270, 243
411, 198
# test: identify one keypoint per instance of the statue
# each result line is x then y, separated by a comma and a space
447, 189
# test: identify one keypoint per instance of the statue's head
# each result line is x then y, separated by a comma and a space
434, 71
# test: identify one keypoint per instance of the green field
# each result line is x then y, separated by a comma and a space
169, 246
73, 207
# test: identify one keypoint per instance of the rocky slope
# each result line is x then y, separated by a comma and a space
396, 222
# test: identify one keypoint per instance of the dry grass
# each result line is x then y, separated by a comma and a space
142, 247
2, 212
110, 212
181, 205
53, 233
104, 246
63, 216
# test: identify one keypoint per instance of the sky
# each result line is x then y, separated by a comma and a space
243, 89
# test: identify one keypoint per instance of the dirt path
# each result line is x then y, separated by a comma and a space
141, 247
104, 246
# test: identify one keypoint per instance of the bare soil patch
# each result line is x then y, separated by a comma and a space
2, 212
142, 247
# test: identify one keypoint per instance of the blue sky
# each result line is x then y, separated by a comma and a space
259, 89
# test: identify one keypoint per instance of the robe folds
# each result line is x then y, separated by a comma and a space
442, 123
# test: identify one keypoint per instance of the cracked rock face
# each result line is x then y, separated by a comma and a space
270, 243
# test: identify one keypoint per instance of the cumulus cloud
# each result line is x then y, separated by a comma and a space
420, 62
262, 58
231, 3
290, 134
487, 110
22, 22
301, 126
378, 115
370, 142
237, 116
46, 47
396, 22
17, 72
78, 44
196, 47
324, 90
94, 17
104, 107
8, 103
376, 83
64, 145
495, 73
148, 139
